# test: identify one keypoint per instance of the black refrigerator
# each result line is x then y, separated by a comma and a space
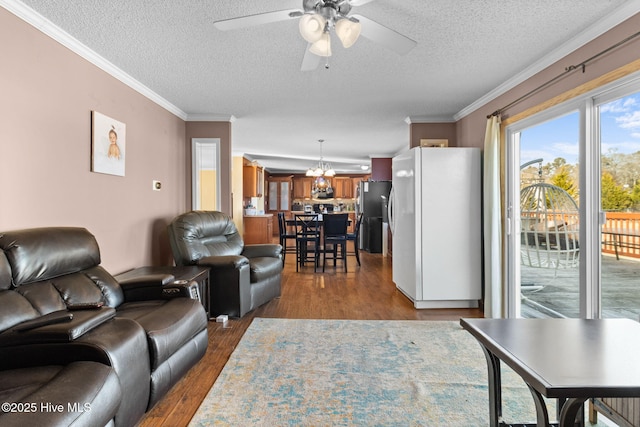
371, 200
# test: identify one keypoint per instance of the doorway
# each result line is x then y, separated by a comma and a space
573, 207
279, 191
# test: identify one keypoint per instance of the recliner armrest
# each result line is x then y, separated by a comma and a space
52, 318
147, 280
224, 261
68, 330
147, 287
262, 250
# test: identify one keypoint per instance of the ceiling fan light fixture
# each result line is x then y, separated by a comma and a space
348, 31
312, 27
322, 47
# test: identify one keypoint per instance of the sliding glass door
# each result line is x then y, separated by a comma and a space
619, 129
546, 201
573, 207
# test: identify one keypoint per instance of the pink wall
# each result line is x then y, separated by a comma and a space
418, 131
47, 94
471, 129
220, 130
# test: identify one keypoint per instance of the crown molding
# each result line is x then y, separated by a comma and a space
211, 118
48, 28
627, 10
624, 12
429, 119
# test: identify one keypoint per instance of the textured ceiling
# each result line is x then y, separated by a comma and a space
466, 49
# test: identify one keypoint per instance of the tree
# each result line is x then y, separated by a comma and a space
635, 196
614, 197
551, 169
625, 168
564, 180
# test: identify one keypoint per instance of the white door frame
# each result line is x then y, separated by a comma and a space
591, 215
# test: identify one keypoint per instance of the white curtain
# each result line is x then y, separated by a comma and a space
493, 302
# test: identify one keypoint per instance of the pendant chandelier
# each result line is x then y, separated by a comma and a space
322, 169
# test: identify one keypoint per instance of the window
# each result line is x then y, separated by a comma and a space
205, 174
619, 134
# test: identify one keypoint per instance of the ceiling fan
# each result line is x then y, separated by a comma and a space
317, 19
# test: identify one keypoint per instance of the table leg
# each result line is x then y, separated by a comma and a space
495, 388
542, 415
571, 408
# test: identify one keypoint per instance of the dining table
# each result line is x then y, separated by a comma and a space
291, 222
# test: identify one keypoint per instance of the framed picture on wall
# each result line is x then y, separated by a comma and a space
108, 144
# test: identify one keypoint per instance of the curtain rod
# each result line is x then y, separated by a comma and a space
567, 70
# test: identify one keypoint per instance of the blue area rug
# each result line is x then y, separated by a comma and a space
288, 372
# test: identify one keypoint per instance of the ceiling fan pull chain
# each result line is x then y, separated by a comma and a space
326, 64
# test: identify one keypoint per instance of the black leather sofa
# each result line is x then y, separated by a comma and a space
241, 277
71, 336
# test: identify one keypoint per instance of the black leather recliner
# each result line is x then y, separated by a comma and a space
242, 277
41, 395
61, 314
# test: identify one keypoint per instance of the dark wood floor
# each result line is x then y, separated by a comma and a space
366, 292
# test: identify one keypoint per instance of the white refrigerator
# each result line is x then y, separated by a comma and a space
435, 220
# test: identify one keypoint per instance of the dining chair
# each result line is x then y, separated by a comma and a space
285, 236
334, 238
355, 236
307, 239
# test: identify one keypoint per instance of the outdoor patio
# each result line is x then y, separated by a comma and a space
554, 293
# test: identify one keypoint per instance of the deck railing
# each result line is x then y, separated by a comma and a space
622, 230
627, 225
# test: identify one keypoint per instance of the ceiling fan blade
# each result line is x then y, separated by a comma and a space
385, 36
257, 19
310, 61
359, 2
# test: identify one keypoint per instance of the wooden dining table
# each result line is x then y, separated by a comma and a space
291, 222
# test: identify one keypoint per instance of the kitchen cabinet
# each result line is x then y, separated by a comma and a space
351, 228
302, 187
355, 183
258, 229
252, 181
278, 198
343, 187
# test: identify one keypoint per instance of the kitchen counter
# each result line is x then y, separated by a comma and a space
258, 229
345, 203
